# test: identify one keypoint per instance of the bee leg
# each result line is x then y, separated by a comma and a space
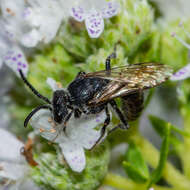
121, 116
66, 120
103, 129
33, 112
115, 128
108, 61
77, 113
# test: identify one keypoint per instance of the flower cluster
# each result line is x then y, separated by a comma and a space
26, 24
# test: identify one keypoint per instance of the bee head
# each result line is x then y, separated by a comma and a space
59, 103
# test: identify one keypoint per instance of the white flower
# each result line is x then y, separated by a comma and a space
31, 22
13, 166
43, 19
80, 134
93, 13
11, 54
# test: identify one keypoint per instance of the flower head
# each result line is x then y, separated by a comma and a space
26, 24
93, 13
80, 133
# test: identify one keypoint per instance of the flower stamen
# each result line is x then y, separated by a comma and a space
173, 34
182, 26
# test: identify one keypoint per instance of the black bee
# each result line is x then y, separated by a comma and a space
90, 93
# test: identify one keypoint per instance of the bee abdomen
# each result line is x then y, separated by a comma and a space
133, 105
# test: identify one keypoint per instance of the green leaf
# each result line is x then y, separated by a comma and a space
157, 173
135, 165
160, 126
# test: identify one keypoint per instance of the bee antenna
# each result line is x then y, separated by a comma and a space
34, 111
33, 89
108, 59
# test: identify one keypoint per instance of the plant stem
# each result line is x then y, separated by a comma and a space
121, 183
186, 151
170, 173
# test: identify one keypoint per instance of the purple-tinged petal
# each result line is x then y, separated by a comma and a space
78, 13
111, 9
16, 60
94, 23
181, 74
74, 155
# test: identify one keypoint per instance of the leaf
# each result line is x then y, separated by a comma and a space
135, 165
157, 173
160, 126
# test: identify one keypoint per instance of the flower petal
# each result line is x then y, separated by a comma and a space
94, 23
42, 125
51, 12
12, 171
86, 121
181, 74
74, 155
82, 130
111, 9
88, 138
10, 147
52, 84
78, 13
16, 60
31, 39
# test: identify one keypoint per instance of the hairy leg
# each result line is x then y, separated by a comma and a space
66, 120
103, 129
124, 124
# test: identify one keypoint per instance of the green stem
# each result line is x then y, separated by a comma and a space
121, 183
186, 151
170, 173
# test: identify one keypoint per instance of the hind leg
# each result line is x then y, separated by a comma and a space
103, 129
124, 124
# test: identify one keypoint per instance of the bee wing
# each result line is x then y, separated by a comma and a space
129, 79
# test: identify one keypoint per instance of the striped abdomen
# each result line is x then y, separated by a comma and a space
133, 105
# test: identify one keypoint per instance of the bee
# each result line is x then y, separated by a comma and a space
91, 93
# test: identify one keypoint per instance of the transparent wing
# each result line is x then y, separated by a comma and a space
128, 79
